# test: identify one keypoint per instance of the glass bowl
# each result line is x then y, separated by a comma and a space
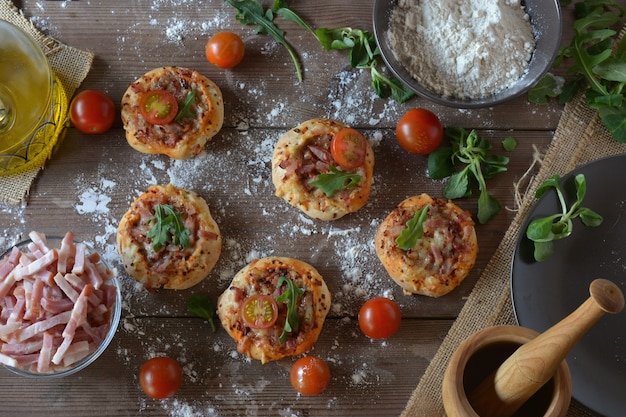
114, 313
29, 94
545, 18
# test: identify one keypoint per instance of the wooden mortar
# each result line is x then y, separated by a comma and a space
506, 371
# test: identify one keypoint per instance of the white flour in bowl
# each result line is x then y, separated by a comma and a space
462, 48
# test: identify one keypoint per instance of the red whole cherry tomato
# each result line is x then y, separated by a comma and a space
419, 131
158, 107
225, 49
348, 148
379, 318
92, 111
259, 311
310, 375
160, 377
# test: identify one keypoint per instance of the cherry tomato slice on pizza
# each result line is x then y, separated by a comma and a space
348, 148
259, 311
158, 107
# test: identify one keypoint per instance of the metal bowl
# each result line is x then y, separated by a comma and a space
114, 313
545, 17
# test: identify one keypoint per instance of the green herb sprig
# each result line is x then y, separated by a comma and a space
250, 12
185, 111
202, 306
414, 229
289, 296
545, 230
472, 153
596, 69
364, 52
335, 181
167, 227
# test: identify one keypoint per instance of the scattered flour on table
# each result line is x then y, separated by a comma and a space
462, 48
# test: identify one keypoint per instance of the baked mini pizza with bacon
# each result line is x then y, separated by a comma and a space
168, 238
324, 168
274, 307
427, 245
172, 111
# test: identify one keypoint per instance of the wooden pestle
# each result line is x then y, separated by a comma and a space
535, 363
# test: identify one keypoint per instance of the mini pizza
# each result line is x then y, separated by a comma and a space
274, 307
172, 111
324, 168
168, 239
427, 245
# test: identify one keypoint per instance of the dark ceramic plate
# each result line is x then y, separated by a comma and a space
545, 292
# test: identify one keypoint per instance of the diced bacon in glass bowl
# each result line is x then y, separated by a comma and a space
60, 306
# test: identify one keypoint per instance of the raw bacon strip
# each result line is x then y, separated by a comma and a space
7, 329
18, 311
36, 265
45, 354
7, 284
66, 251
33, 304
94, 275
22, 348
79, 283
34, 249
58, 355
46, 276
42, 326
7, 360
39, 239
79, 313
56, 306
66, 287
8, 265
79, 259
76, 352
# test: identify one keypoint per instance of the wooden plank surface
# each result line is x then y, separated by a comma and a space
91, 180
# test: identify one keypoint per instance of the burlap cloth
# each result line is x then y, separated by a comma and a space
70, 66
579, 138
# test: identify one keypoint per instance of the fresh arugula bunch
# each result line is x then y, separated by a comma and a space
545, 230
596, 70
289, 296
364, 52
414, 229
470, 152
167, 227
202, 306
335, 181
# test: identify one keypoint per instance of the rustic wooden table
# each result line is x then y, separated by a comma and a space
90, 181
